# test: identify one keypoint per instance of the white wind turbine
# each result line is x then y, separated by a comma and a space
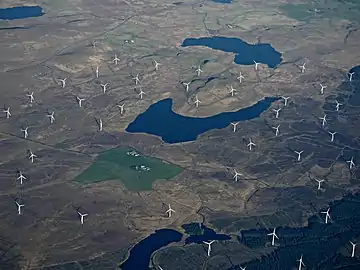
169, 211
273, 234
236, 174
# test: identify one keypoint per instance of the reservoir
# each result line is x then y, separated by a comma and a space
22, 12
140, 254
245, 53
176, 128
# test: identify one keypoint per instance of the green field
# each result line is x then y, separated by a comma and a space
117, 164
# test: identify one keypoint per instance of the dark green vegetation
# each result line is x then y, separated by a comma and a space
323, 246
193, 229
10, 255
332, 9
120, 164
315, 241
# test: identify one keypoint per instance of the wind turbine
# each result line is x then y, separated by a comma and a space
104, 87
21, 177
351, 74
136, 78
25, 130
319, 183
19, 207
198, 71
242, 268
353, 249
323, 120
256, 65
322, 89
250, 144
299, 154
337, 106
157, 64
63, 82
141, 93
52, 117
197, 101
234, 125
232, 90
169, 211
303, 68
100, 123
351, 163
327, 215
8, 113
116, 59
187, 86
82, 217
236, 174
276, 129
80, 100
94, 44
240, 77
121, 107
301, 263
332, 135
277, 112
273, 234
32, 156
97, 72
285, 100
31, 96
209, 246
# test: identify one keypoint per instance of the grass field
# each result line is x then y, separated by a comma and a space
117, 164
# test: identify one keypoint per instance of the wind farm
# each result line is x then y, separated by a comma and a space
124, 118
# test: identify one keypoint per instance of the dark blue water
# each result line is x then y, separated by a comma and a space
140, 254
199, 232
175, 128
20, 12
245, 53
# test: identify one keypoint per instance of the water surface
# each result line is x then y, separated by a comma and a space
245, 53
140, 254
22, 12
175, 128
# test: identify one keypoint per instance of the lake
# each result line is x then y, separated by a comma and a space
245, 53
22, 12
176, 128
140, 254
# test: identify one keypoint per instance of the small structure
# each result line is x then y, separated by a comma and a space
133, 153
141, 168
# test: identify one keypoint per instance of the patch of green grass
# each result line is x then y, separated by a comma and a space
117, 164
